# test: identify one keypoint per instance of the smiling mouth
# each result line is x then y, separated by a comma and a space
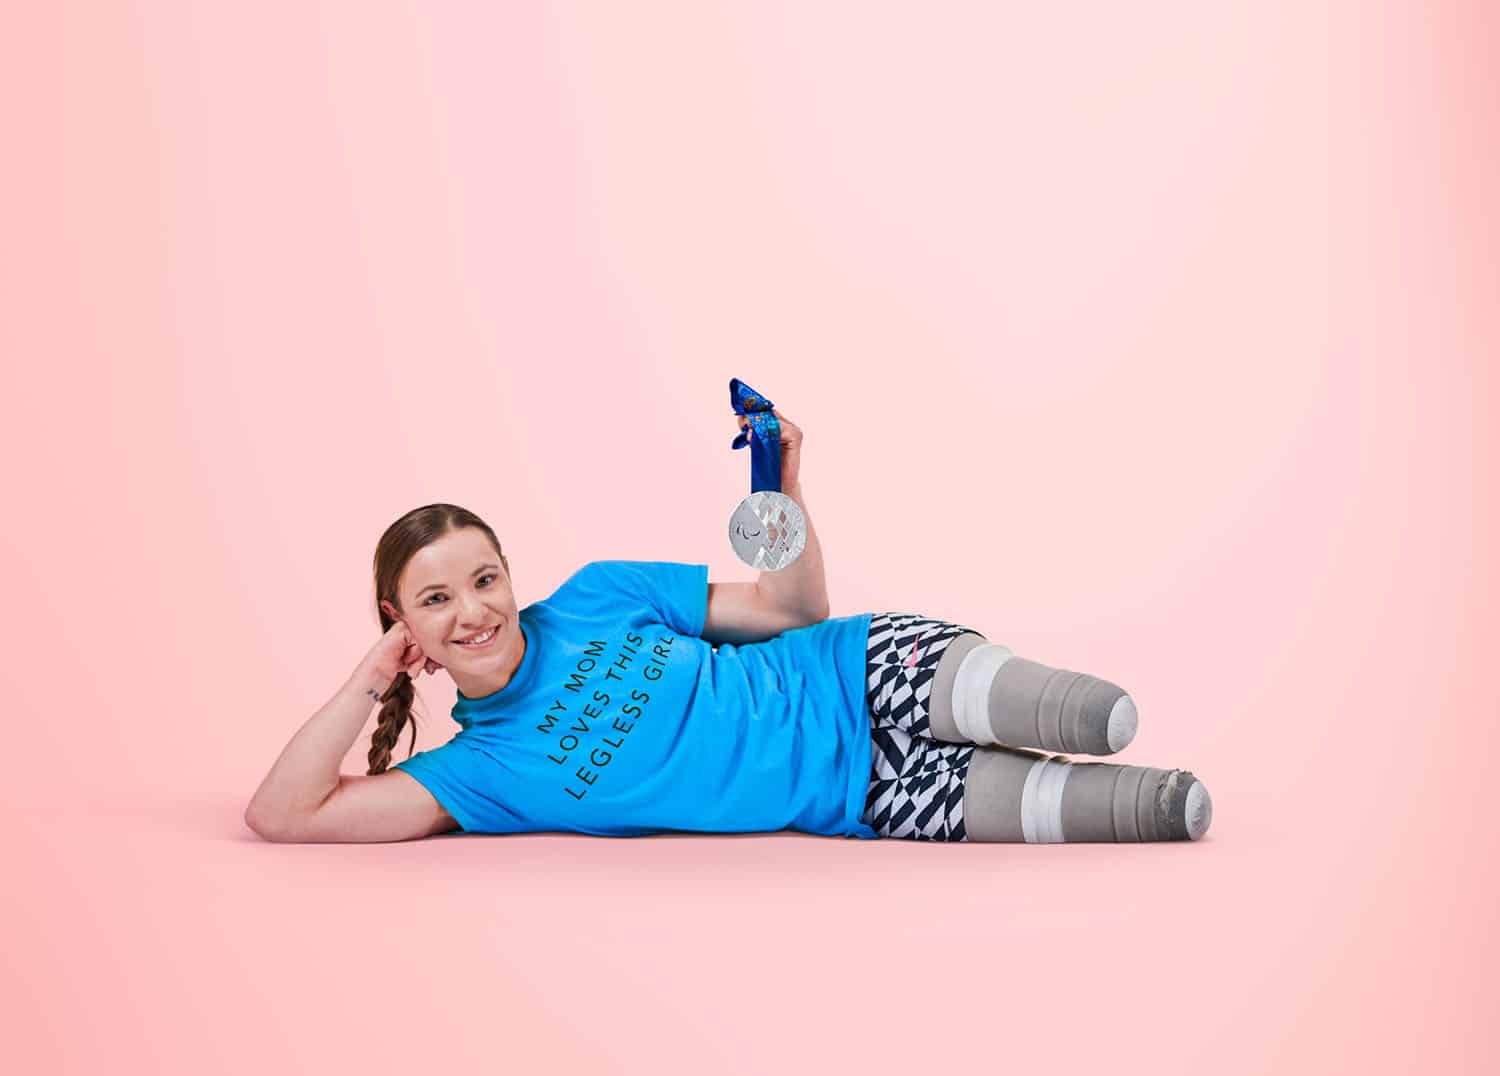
488, 636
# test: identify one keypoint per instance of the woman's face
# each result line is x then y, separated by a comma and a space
455, 588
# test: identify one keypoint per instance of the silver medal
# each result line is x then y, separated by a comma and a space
768, 530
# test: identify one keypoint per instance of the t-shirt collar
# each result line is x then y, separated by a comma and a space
467, 711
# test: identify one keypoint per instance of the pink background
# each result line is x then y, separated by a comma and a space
1190, 311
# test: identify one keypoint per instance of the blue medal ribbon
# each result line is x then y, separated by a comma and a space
763, 435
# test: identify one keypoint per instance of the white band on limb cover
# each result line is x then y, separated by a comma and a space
1041, 801
971, 690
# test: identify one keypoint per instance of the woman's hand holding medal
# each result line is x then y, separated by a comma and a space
768, 530
791, 446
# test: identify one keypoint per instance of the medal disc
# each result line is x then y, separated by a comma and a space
768, 530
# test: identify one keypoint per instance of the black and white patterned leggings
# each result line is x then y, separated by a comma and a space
916, 782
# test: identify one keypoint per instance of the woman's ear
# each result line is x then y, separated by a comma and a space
390, 610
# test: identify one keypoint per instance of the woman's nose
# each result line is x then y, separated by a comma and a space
473, 612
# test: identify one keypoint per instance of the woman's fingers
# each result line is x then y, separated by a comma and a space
788, 428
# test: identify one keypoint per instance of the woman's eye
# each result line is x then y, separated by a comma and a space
482, 578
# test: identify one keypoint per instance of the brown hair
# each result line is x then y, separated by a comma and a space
402, 539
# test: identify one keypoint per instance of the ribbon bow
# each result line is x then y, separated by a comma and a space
762, 433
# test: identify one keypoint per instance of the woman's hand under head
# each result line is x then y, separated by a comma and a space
396, 652
453, 589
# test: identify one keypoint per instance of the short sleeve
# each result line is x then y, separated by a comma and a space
440, 770
677, 591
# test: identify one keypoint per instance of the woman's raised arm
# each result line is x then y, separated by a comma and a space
307, 772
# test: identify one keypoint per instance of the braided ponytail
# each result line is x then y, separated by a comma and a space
394, 711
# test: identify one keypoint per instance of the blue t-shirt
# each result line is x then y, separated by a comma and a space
621, 720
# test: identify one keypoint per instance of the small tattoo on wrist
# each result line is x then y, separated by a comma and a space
370, 691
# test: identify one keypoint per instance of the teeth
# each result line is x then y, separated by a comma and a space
477, 639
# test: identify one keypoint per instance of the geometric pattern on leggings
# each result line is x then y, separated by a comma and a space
916, 782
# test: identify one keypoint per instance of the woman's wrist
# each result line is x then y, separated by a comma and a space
369, 682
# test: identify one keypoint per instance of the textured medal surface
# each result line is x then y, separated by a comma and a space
768, 530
